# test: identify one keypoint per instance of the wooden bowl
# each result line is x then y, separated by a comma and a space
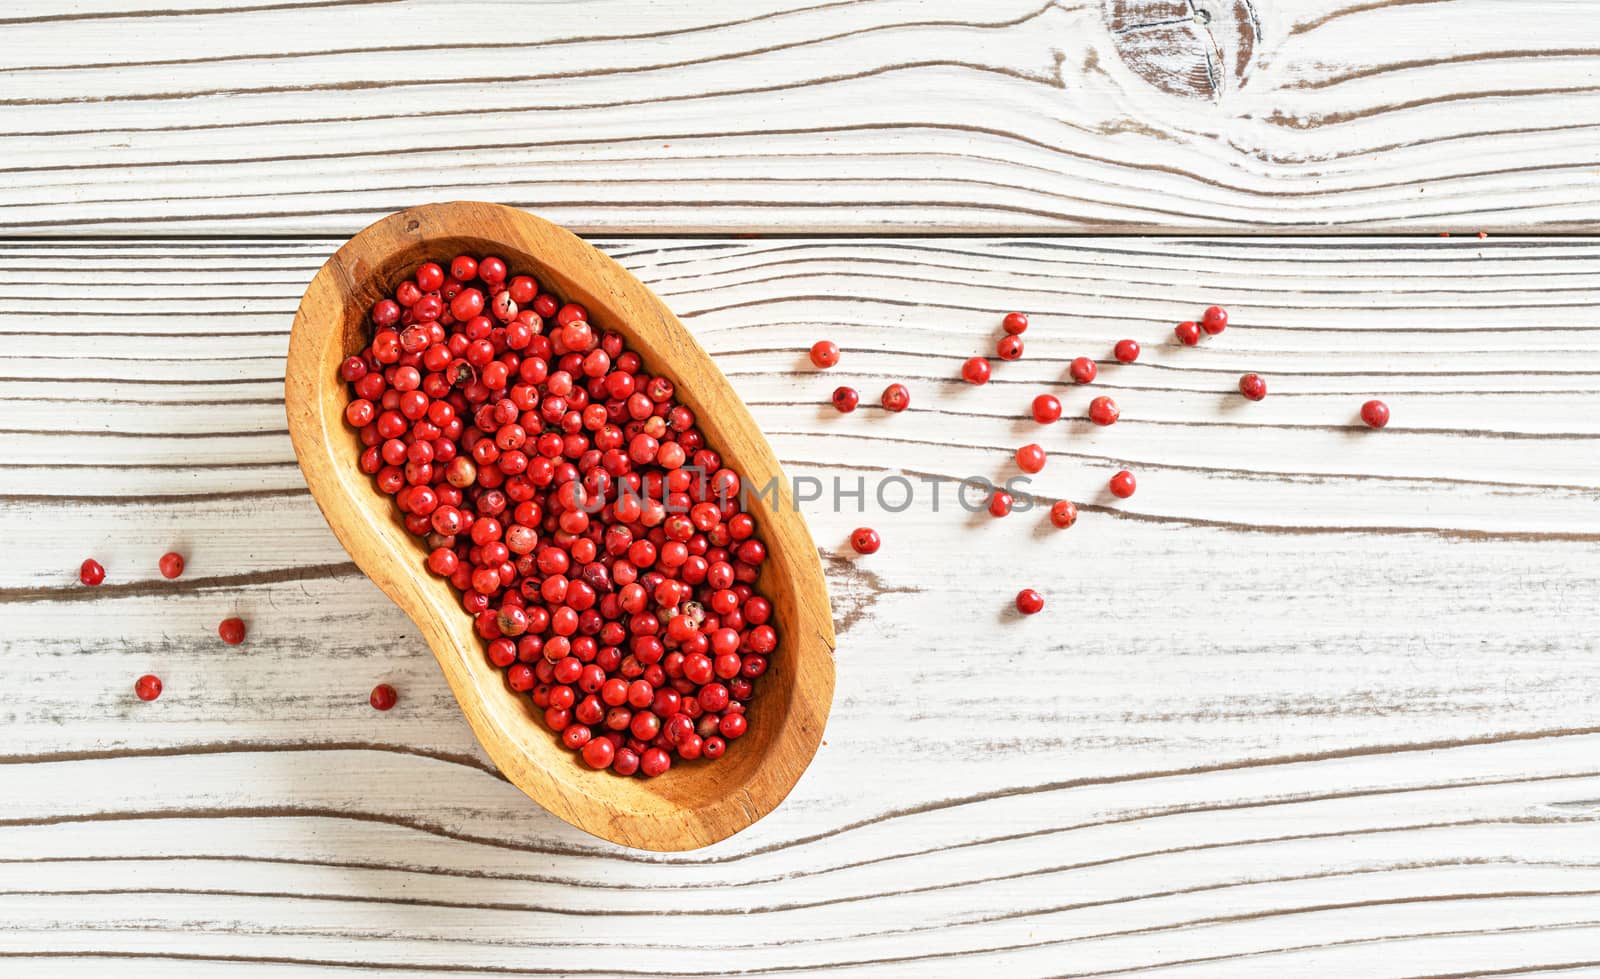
696, 803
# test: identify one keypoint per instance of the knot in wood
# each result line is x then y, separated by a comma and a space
1198, 49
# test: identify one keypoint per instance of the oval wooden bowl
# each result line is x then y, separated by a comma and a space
696, 803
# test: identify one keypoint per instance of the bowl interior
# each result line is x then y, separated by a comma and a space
709, 800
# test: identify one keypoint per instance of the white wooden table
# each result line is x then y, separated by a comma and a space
1316, 701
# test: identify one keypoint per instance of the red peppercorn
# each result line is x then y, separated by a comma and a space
1214, 320
1187, 333
896, 397
147, 687
654, 762
865, 540
1063, 513
1030, 458
1015, 323
599, 753
90, 572
845, 399
171, 564
1375, 413
492, 270
1104, 411
1000, 503
1046, 409
383, 697
824, 353
1253, 387
232, 631
1083, 370
1123, 484
1009, 347
975, 370
1029, 601
430, 277
1126, 351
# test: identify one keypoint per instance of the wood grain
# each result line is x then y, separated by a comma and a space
1241, 116
1315, 701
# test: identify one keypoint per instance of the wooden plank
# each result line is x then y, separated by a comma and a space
1315, 700
317, 116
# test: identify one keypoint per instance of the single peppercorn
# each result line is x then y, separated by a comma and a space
1083, 370
1187, 333
654, 762
1009, 347
1104, 411
896, 397
383, 697
1000, 503
91, 572
845, 399
1029, 601
1015, 323
1126, 351
599, 753
1046, 409
1123, 484
1214, 320
232, 631
1063, 513
824, 354
171, 564
865, 540
147, 687
1030, 458
1252, 386
975, 370
1375, 413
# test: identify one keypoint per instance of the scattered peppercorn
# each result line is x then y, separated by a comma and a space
975, 370
383, 697
865, 540
171, 564
1000, 503
1083, 370
1063, 513
1030, 458
1104, 411
1046, 409
1123, 484
1253, 386
845, 399
1214, 320
1187, 333
896, 397
1015, 323
1375, 413
1029, 601
232, 631
1009, 347
1126, 351
147, 687
90, 572
824, 353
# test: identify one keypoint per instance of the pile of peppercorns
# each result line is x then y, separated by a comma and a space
599, 543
